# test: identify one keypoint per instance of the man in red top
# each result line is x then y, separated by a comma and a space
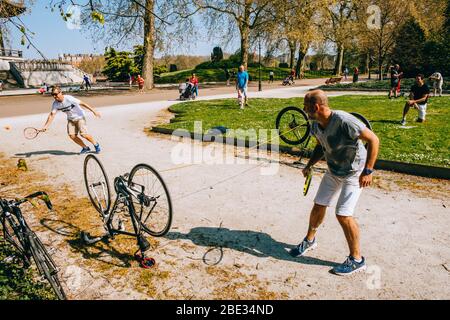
140, 82
292, 76
194, 81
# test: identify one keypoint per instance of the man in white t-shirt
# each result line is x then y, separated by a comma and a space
76, 119
438, 82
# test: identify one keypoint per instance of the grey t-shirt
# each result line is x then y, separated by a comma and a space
344, 152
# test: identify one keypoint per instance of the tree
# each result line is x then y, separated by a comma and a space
246, 15
118, 21
337, 25
409, 48
119, 64
379, 21
217, 54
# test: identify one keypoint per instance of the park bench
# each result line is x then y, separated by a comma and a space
333, 80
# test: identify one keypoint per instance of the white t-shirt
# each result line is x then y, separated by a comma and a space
70, 106
437, 77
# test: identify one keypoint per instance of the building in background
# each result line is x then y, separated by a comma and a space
77, 59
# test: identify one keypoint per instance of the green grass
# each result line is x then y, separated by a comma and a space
218, 75
384, 85
17, 283
425, 143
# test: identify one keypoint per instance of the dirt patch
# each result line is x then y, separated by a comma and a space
108, 270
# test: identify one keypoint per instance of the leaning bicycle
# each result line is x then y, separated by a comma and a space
294, 127
142, 205
17, 232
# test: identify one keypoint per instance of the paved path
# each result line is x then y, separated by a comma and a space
404, 235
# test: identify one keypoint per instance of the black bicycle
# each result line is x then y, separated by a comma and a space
17, 232
142, 204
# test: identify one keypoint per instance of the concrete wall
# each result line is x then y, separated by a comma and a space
37, 78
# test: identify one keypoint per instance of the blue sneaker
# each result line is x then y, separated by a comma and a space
97, 148
85, 150
303, 248
349, 267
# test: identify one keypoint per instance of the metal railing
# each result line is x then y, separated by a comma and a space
11, 53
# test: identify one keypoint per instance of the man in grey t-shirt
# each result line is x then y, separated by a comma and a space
350, 165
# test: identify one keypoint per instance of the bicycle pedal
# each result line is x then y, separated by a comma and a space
143, 243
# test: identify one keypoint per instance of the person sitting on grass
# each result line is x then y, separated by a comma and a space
418, 99
76, 118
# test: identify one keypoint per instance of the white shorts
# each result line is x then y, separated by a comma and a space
422, 108
350, 192
242, 91
438, 85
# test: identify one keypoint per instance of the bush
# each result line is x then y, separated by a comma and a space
283, 65
173, 68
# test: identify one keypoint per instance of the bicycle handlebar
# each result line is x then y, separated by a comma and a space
40, 194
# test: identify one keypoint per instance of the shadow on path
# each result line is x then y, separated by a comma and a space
255, 243
46, 152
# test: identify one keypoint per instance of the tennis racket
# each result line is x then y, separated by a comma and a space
307, 183
30, 133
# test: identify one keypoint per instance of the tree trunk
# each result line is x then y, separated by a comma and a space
292, 48
368, 64
244, 45
301, 60
380, 67
149, 44
339, 61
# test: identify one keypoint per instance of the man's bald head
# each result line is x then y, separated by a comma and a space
316, 97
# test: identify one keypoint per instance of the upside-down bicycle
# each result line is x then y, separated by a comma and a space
142, 195
17, 232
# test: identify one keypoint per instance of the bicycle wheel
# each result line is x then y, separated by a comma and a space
12, 233
46, 266
97, 184
362, 119
153, 206
293, 126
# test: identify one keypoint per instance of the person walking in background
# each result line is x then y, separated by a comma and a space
242, 86
395, 81
292, 76
227, 76
140, 82
87, 83
130, 80
355, 75
194, 81
438, 82
271, 76
345, 73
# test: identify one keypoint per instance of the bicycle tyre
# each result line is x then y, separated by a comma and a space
12, 234
133, 182
299, 120
104, 182
362, 119
46, 266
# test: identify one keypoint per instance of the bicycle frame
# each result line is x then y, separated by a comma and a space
125, 194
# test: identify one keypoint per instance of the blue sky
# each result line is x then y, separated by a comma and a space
54, 37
